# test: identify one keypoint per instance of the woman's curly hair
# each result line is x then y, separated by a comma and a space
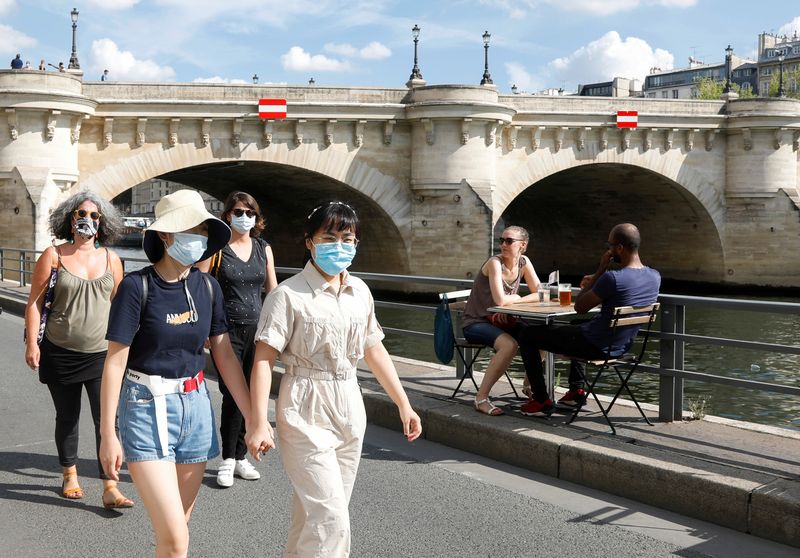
111, 223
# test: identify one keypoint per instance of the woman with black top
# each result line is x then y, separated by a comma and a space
242, 268
159, 322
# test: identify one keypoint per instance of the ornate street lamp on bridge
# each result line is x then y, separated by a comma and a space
73, 59
781, 91
415, 73
728, 64
255, 79
487, 77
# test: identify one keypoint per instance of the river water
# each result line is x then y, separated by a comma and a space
761, 407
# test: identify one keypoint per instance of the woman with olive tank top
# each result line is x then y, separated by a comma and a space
73, 347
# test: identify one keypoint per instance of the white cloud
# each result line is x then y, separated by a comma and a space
520, 77
218, 79
790, 28
111, 4
6, 5
609, 57
517, 9
123, 65
13, 41
375, 51
343, 49
298, 60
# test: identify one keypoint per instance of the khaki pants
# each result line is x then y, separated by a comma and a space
321, 424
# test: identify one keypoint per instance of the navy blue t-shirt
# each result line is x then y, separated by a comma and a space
623, 287
166, 344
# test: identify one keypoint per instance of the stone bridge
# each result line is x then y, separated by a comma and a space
435, 171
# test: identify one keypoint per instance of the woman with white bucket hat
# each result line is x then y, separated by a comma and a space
153, 374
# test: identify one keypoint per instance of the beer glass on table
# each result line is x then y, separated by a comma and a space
565, 294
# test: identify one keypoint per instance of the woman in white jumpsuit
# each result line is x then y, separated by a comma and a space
321, 322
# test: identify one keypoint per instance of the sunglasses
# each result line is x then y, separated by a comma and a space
81, 213
238, 212
508, 241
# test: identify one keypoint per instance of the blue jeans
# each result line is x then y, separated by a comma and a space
191, 425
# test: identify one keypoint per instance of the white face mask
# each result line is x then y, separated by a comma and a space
243, 224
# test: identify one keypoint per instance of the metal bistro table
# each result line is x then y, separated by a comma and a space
545, 312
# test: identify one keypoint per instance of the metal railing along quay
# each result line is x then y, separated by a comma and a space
16, 265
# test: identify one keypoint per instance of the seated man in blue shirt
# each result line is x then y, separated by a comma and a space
633, 285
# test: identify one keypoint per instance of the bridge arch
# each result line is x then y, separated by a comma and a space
287, 182
569, 209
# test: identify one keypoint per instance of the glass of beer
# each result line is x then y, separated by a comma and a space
565, 294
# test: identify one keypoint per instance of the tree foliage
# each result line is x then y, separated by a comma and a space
709, 89
791, 83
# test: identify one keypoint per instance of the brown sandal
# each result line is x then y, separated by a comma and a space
119, 502
75, 493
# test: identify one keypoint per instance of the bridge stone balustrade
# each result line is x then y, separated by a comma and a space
435, 171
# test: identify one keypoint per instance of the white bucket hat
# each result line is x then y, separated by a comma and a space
178, 212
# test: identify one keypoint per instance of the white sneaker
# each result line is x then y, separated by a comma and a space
225, 472
245, 470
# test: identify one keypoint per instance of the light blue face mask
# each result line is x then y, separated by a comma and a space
333, 257
187, 248
244, 223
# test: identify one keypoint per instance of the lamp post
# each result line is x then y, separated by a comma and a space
415, 73
781, 92
487, 77
73, 59
728, 64
311, 82
514, 89
255, 79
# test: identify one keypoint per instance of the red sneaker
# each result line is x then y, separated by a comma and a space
574, 398
534, 408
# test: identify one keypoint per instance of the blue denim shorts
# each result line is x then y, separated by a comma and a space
191, 425
485, 333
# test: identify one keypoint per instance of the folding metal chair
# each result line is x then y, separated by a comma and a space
622, 316
467, 352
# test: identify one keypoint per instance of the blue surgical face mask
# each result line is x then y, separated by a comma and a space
187, 248
333, 257
243, 224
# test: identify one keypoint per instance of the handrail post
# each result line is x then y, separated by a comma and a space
22, 282
2, 264
670, 388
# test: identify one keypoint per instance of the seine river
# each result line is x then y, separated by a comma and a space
736, 403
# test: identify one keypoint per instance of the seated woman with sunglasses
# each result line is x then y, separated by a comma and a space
497, 284
73, 347
242, 267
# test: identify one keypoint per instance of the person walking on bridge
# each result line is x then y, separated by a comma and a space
243, 267
73, 346
322, 322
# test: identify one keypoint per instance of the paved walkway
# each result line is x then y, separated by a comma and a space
740, 475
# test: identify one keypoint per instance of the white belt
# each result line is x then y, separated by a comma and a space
160, 387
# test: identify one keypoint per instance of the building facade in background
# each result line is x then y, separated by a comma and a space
618, 87
146, 195
682, 83
774, 51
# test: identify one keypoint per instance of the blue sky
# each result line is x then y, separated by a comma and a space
535, 43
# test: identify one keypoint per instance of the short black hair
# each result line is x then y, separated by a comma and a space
332, 216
